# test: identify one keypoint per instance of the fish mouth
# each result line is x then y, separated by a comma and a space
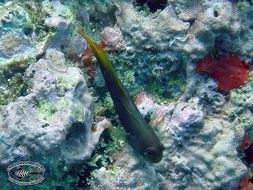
153, 155
155, 159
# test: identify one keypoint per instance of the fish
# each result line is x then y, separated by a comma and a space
140, 135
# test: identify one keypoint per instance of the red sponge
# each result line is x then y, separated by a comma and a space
229, 71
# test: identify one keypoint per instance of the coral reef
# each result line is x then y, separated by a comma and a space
18, 40
26, 32
58, 106
55, 116
113, 38
185, 31
208, 27
198, 155
46, 111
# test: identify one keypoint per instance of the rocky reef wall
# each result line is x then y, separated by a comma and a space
55, 109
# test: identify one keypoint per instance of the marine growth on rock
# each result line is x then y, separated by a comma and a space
60, 116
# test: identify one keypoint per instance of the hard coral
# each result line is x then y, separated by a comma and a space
229, 71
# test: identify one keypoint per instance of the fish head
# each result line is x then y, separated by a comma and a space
153, 154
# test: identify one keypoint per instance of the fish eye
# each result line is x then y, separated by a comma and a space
150, 151
153, 154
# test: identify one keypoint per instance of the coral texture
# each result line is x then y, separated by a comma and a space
46, 111
56, 115
198, 155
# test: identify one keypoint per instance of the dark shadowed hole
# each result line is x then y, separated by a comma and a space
191, 22
59, 188
77, 131
28, 31
153, 5
84, 170
215, 13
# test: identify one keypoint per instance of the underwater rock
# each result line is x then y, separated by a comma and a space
240, 109
213, 100
242, 97
129, 173
51, 119
151, 34
22, 40
205, 89
206, 148
184, 118
77, 149
19, 44
182, 32
216, 24
57, 111
75, 48
11, 44
153, 5
113, 38
58, 8
59, 20
200, 156
102, 12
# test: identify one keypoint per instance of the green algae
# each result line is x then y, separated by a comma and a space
168, 91
240, 95
243, 4
165, 87
245, 120
103, 156
36, 17
47, 109
13, 68
240, 110
12, 88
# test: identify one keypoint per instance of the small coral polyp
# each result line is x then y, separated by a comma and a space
228, 71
